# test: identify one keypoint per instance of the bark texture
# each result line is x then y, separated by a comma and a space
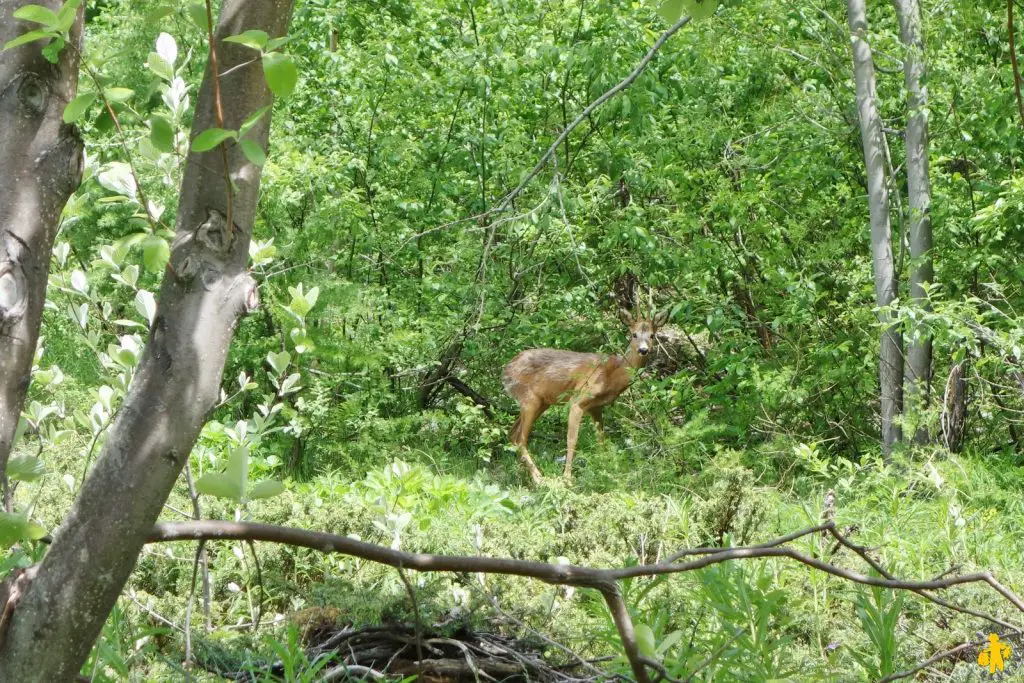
918, 371
890, 370
65, 600
40, 166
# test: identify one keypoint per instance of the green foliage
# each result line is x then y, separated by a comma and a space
879, 615
728, 178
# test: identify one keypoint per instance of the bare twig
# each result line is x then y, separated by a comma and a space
937, 657
346, 672
619, 87
202, 557
122, 138
188, 606
713, 656
416, 616
862, 552
1013, 60
218, 108
259, 580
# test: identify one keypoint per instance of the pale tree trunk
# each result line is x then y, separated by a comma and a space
40, 166
890, 367
65, 600
918, 371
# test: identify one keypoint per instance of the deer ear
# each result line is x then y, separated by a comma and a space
661, 317
626, 317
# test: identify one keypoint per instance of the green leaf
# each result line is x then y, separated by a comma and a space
28, 38
38, 15
159, 66
253, 120
671, 10
167, 48
252, 38
197, 12
25, 468
279, 361
66, 15
117, 177
155, 253
645, 641
277, 42
118, 94
76, 108
700, 9
210, 138
13, 528
51, 51
268, 488
161, 134
219, 486
280, 72
159, 12
33, 531
253, 152
145, 303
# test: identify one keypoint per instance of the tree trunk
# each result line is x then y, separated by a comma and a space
890, 370
918, 372
65, 600
40, 166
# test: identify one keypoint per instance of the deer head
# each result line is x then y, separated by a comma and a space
642, 329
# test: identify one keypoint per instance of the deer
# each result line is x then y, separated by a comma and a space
540, 378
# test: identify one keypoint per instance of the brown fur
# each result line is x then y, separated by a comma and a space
541, 378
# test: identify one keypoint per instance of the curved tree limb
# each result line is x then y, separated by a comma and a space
603, 580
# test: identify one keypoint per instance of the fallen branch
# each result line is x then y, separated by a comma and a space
603, 580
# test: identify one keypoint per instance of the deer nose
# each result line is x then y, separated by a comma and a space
643, 350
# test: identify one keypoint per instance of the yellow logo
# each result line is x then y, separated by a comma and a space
995, 655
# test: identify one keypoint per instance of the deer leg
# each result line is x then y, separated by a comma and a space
529, 412
575, 415
596, 413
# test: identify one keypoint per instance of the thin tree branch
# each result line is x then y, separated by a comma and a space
863, 553
569, 575
1013, 60
122, 138
218, 111
714, 655
259, 580
937, 657
624, 625
416, 616
619, 87
203, 558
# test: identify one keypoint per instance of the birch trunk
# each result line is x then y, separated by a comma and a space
60, 605
890, 366
40, 166
918, 372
